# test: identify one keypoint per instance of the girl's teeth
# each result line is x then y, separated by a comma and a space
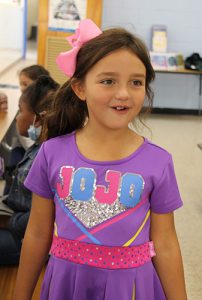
120, 108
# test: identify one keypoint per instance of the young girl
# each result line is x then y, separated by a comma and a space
30, 74
33, 103
103, 194
20, 143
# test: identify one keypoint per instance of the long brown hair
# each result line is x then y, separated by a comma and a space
69, 112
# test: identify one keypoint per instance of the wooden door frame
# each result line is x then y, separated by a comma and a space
94, 12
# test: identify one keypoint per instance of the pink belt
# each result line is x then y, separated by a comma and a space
102, 256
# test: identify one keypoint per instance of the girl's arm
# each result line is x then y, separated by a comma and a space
168, 260
35, 247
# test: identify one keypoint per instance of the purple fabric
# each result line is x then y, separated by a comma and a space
69, 281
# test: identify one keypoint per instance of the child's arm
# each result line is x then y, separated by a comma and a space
168, 260
35, 247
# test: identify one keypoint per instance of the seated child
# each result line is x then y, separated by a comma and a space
33, 104
30, 74
19, 144
27, 76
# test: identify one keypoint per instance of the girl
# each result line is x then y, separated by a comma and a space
33, 103
30, 74
27, 76
19, 143
103, 195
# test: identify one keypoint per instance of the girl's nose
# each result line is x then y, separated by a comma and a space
122, 93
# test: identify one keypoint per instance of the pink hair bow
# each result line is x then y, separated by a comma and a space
67, 60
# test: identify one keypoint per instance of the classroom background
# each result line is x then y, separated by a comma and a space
176, 120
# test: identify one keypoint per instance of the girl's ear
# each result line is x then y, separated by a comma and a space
39, 119
37, 122
79, 90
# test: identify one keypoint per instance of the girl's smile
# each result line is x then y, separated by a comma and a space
114, 92
121, 109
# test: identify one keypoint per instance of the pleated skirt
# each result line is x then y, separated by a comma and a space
65, 280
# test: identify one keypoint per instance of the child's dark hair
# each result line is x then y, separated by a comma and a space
69, 112
34, 71
39, 96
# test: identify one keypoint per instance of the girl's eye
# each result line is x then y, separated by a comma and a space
137, 82
107, 81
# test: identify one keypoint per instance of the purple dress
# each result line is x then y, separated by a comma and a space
104, 203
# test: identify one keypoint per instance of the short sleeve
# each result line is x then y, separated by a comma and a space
165, 196
37, 179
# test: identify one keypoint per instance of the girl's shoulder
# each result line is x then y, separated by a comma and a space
156, 148
58, 146
157, 151
59, 141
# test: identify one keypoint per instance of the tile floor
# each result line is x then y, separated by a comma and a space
8, 57
179, 135
10, 63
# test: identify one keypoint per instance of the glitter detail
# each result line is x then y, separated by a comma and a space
132, 190
82, 185
92, 213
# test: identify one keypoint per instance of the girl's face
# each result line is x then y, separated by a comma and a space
24, 81
114, 90
24, 118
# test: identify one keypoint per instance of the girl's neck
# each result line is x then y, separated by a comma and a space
106, 146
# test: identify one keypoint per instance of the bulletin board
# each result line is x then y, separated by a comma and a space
52, 41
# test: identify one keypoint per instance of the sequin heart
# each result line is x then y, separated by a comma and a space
92, 213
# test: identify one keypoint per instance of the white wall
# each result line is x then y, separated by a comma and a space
184, 24
11, 27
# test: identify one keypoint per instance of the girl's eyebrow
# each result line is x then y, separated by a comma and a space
107, 74
115, 74
139, 75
